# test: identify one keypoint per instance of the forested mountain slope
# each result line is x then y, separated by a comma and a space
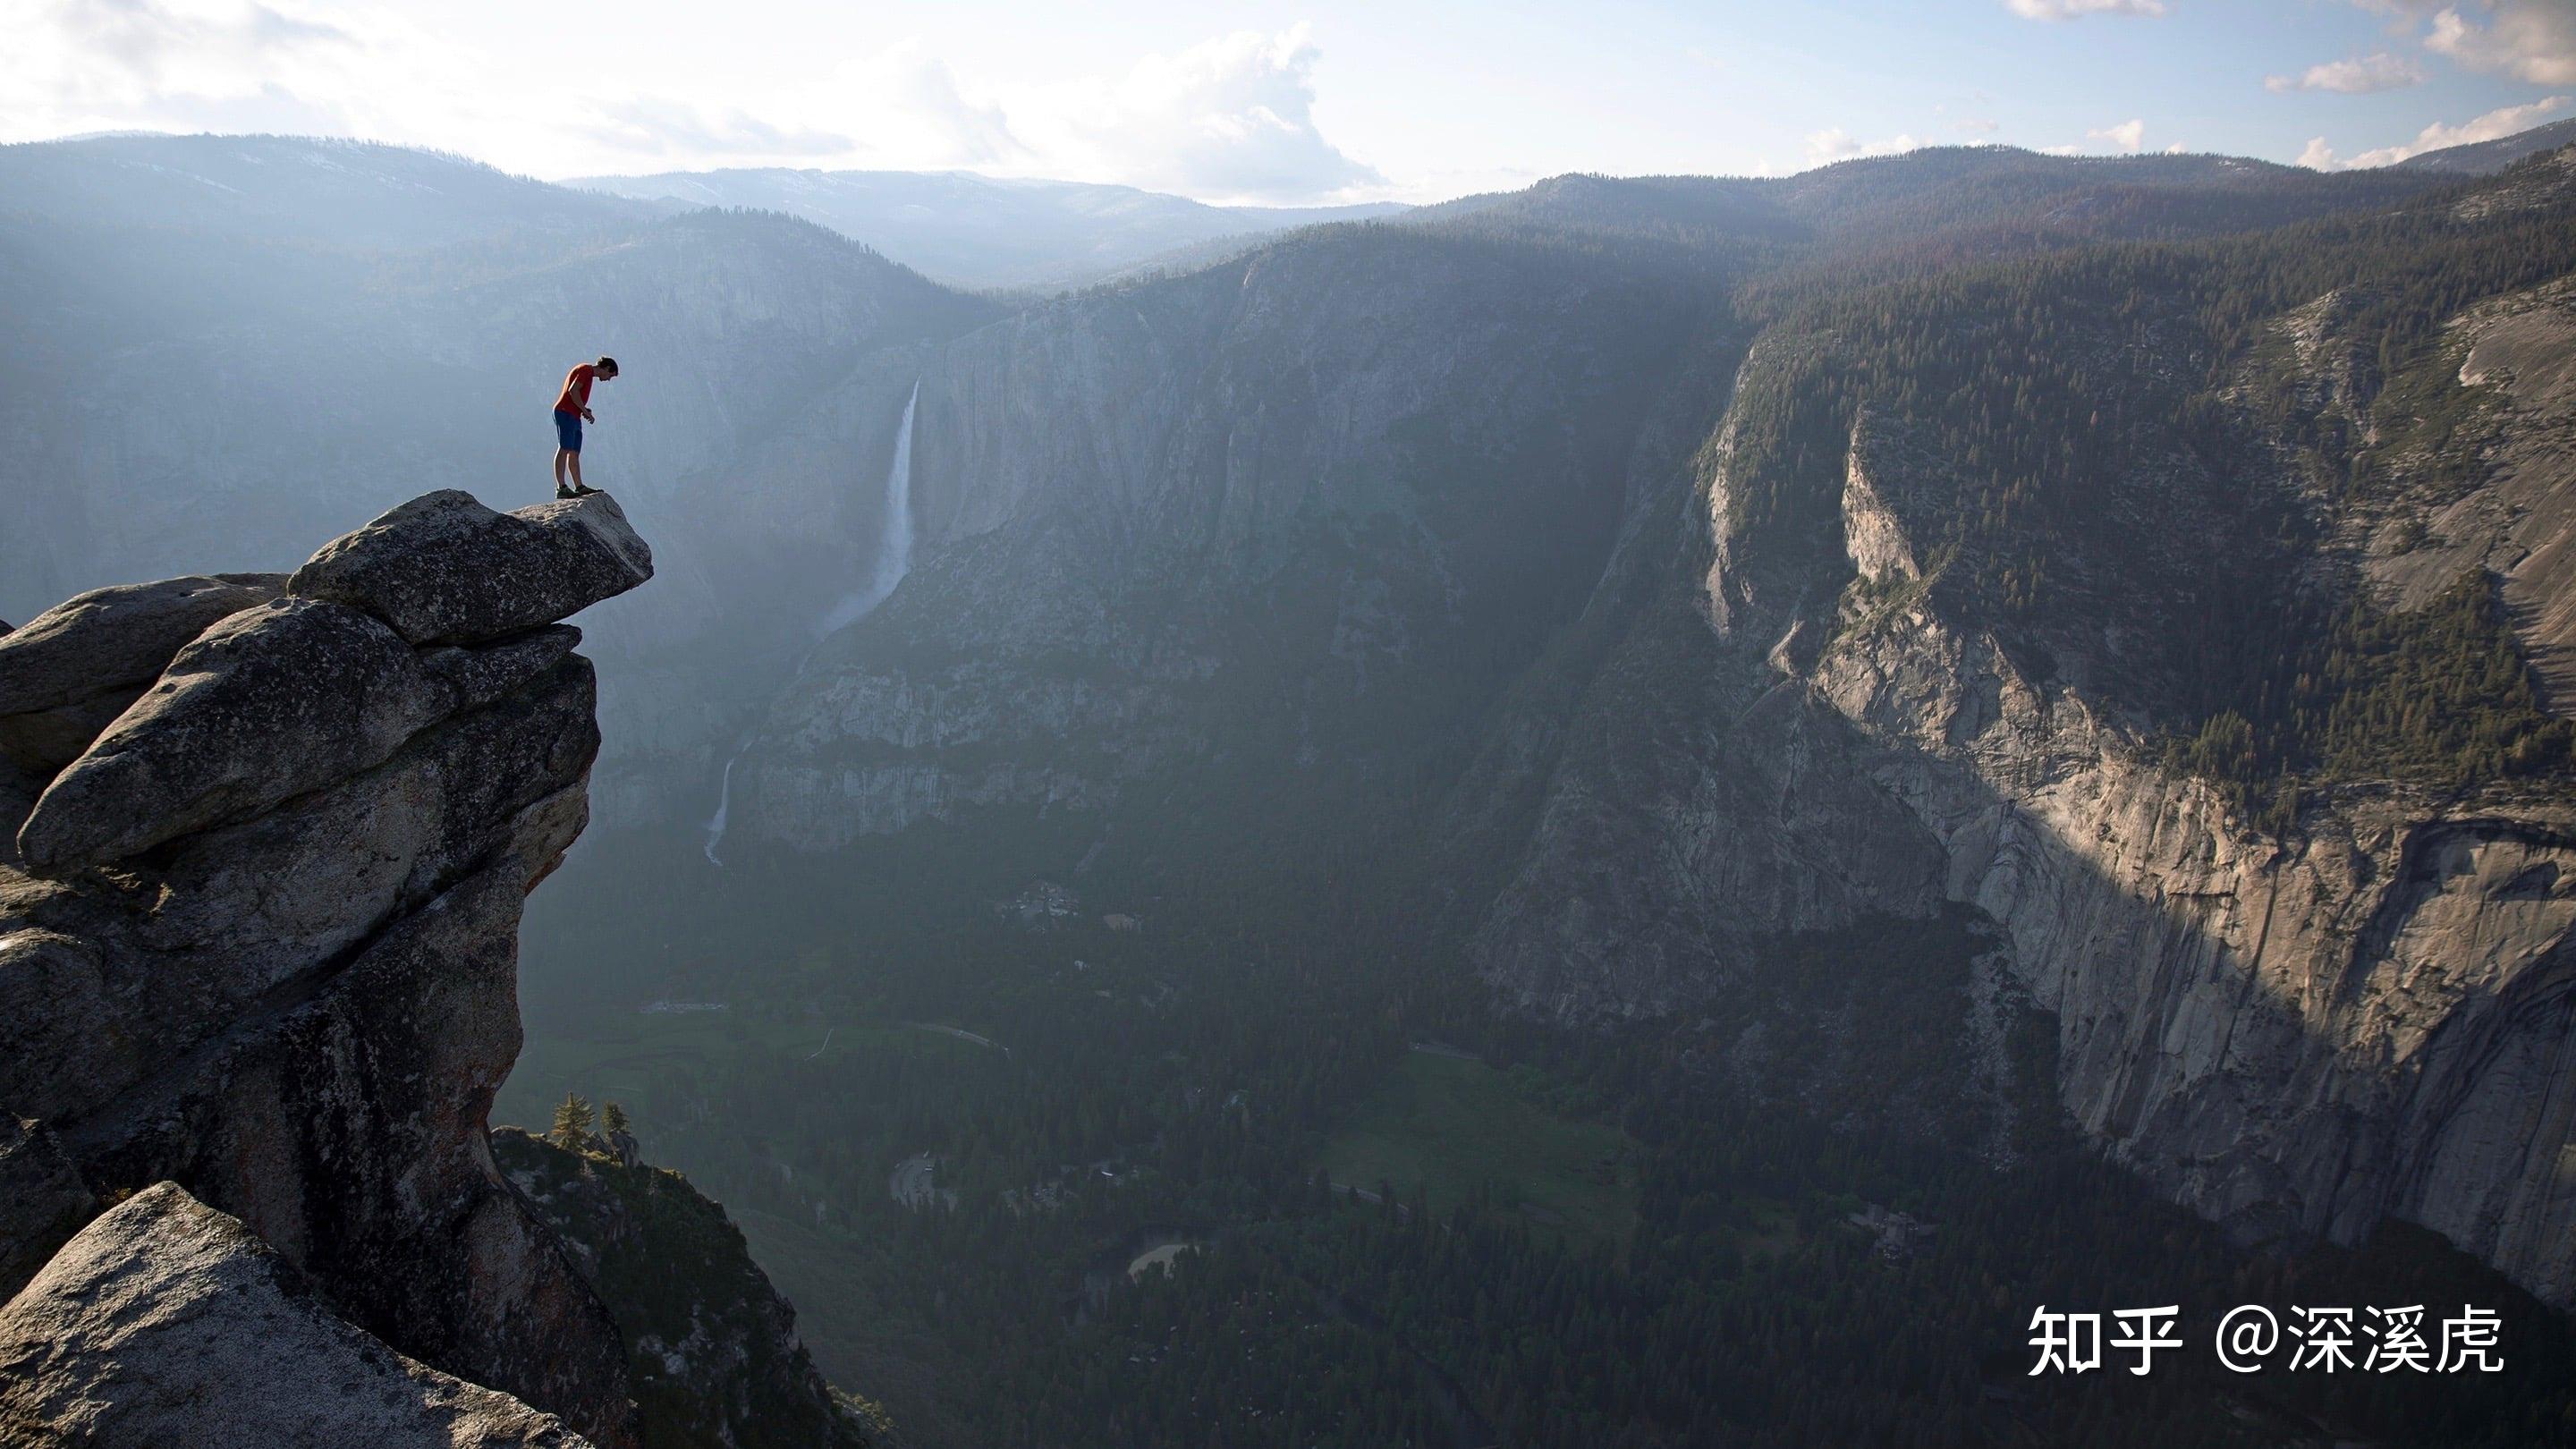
2135, 598
324, 194
2480, 158
1310, 509
1946, 203
2044, 584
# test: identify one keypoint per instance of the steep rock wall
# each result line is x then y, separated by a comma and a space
272, 955
712, 1349
1275, 490
2374, 1015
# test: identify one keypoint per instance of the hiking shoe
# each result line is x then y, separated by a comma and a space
585, 490
564, 490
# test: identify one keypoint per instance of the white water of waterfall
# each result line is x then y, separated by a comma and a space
893, 561
894, 540
724, 808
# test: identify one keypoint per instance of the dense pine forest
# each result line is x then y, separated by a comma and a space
2040, 384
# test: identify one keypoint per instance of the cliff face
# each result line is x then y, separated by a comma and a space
712, 1350
258, 944
260, 936
2370, 1017
2516, 368
1253, 505
2293, 1032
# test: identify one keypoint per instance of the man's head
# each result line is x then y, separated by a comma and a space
604, 367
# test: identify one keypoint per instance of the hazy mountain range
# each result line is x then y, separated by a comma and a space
980, 231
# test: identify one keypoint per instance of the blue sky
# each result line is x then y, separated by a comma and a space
1319, 101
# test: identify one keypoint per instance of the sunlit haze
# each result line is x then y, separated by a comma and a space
1313, 102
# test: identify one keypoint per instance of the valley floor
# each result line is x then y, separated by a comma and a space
1413, 1224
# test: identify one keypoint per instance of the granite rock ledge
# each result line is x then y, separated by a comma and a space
266, 845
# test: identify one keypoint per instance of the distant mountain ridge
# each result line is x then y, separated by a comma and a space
983, 231
1978, 195
2484, 158
323, 191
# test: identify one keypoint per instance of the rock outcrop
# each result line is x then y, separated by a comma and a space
2518, 360
266, 705
47, 1199
166, 1322
79, 664
259, 940
444, 569
711, 1348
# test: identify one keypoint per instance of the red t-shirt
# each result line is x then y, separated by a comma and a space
576, 392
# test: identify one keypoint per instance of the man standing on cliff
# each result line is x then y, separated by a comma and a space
572, 409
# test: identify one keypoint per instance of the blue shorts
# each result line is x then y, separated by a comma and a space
568, 432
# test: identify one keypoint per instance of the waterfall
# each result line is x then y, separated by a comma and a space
724, 808
894, 546
893, 561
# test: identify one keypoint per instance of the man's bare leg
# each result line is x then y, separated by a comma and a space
560, 455
575, 459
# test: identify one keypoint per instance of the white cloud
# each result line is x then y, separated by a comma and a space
197, 62
2076, 9
1232, 118
921, 111
2530, 40
1836, 144
1228, 119
2494, 125
2129, 135
1977, 125
145, 38
2359, 76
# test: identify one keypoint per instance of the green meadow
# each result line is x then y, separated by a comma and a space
1451, 1126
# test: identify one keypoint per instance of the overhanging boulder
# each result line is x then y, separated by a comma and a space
266, 705
444, 569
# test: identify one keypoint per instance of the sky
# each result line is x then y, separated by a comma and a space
1323, 101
